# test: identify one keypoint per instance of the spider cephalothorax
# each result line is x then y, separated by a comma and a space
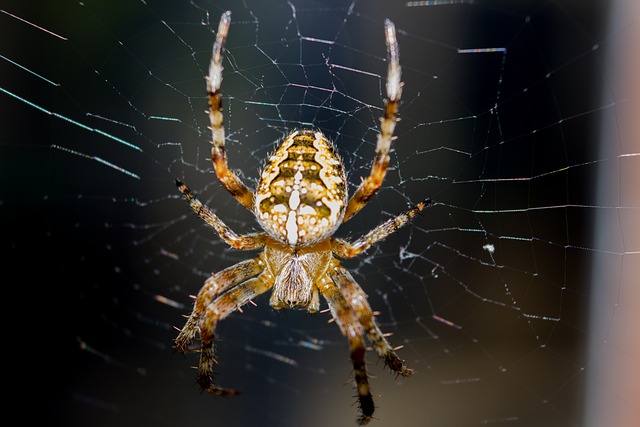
300, 201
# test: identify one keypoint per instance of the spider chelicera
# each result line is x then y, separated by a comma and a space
299, 202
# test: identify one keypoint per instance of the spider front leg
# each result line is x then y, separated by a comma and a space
355, 295
218, 152
217, 310
350, 327
372, 183
214, 286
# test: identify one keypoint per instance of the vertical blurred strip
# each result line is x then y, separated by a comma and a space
613, 369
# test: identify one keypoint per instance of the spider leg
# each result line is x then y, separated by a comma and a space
358, 299
345, 249
348, 323
243, 242
218, 152
214, 286
372, 183
217, 310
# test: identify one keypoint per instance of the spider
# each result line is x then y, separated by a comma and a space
299, 202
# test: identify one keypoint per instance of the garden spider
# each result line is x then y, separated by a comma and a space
300, 200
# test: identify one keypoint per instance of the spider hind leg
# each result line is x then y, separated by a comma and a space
225, 175
371, 184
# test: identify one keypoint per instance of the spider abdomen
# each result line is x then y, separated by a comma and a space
302, 194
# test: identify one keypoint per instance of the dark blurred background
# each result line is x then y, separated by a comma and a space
488, 290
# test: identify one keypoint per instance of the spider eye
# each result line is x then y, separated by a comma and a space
301, 196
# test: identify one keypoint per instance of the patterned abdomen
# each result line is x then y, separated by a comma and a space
301, 196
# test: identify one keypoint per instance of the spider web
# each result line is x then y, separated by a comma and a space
513, 294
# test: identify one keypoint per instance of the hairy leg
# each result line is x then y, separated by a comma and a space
358, 299
372, 183
220, 308
243, 242
345, 249
218, 152
214, 286
351, 328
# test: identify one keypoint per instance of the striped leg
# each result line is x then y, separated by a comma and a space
218, 152
214, 286
372, 183
220, 308
345, 249
242, 242
348, 323
358, 299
